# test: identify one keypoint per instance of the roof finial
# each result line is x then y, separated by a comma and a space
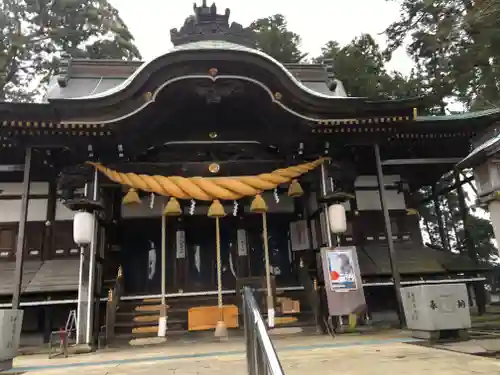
206, 24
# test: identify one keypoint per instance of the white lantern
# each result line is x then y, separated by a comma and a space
83, 228
337, 218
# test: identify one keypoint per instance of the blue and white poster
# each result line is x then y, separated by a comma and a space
341, 272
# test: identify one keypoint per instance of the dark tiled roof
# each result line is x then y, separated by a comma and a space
413, 258
480, 153
59, 275
90, 77
7, 270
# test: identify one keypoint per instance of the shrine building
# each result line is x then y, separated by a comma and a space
210, 167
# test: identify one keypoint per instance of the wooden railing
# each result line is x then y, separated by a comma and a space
114, 296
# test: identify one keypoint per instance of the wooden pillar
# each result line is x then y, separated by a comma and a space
94, 253
47, 322
469, 243
439, 215
18, 276
50, 218
396, 278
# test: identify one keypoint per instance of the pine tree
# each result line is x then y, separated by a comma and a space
455, 46
360, 65
275, 39
36, 33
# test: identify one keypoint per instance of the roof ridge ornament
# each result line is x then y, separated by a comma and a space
206, 24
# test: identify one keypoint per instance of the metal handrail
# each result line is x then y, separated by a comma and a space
261, 355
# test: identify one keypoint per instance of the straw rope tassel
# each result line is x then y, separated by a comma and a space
270, 302
162, 323
221, 328
163, 256
219, 268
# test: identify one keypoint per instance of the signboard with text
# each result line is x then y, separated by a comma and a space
11, 322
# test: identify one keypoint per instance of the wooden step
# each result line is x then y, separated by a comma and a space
152, 301
284, 320
125, 336
144, 330
133, 324
132, 313
146, 318
148, 308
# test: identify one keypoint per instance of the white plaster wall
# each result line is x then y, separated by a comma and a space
10, 210
16, 188
63, 213
370, 199
494, 208
371, 181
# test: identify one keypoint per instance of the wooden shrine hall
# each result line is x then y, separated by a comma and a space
210, 167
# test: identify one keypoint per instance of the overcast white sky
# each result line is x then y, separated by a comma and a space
316, 21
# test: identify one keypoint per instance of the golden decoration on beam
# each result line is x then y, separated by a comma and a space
412, 211
207, 189
148, 96
214, 168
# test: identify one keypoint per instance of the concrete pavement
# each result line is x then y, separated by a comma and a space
346, 355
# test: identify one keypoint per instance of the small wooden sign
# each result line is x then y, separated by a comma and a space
180, 237
299, 235
242, 242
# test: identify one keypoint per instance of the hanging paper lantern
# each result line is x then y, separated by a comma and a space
83, 228
338, 220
